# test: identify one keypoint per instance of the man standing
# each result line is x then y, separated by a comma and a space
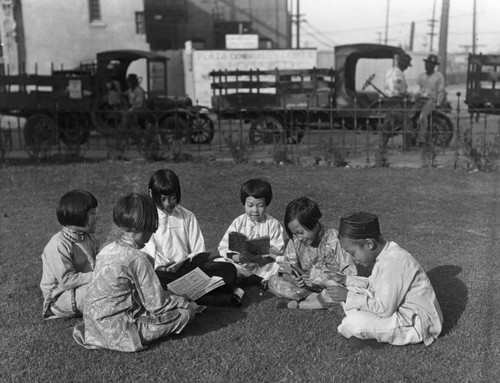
395, 81
395, 88
430, 86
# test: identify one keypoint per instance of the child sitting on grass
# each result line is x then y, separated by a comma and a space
255, 195
313, 251
69, 257
397, 303
126, 307
178, 246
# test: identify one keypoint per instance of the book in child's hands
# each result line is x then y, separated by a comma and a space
290, 268
240, 243
194, 284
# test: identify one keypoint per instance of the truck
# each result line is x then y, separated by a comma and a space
68, 104
483, 79
282, 104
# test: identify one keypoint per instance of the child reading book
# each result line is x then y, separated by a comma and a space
396, 304
313, 251
126, 307
178, 247
69, 257
254, 228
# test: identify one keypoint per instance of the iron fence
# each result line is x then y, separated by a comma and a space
367, 134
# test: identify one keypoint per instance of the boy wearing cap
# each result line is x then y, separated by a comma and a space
431, 86
397, 303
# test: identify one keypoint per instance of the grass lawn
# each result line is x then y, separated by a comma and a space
448, 220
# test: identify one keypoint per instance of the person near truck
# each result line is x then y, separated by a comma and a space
431, 89
395, 88
136, 96
395, 80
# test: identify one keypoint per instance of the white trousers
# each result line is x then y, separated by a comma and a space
365, 325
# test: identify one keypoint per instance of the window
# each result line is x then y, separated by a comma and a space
140, 25
94, 10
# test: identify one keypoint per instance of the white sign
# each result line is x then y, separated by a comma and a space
75, 89
242, 41
199, 64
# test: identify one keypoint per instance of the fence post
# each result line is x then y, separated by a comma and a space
457, 131
368, 132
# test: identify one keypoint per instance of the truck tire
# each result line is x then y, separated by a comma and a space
267, 130
73, 130
39, 134
173, 130
202, 129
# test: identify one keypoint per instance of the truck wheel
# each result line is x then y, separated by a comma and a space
441, 130
73, 130
202, 129
173, 129
39, 134
267, 130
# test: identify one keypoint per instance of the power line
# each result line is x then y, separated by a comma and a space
315, 37
318, 31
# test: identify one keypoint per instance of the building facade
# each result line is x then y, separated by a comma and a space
39, 34
170, 23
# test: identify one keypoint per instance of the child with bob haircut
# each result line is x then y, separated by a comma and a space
178, 246
396, 304
255, 195
69, 257
126, 307
313, 252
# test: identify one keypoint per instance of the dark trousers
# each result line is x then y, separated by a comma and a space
225, 270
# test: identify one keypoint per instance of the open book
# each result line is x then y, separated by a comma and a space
240, 243
194, 284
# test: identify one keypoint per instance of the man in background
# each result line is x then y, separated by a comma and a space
395, 81
431, 88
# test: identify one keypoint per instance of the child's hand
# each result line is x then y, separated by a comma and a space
337, 293
299, 280
337, 277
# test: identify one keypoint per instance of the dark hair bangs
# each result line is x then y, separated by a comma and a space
164, 182
74, 206
136, 213
256, 188
305, 211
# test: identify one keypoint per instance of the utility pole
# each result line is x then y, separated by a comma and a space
412, 36
298, 23
443, 36
432, 23
474, 37
387, 23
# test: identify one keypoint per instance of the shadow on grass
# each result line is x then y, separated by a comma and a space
215, 318
451, 293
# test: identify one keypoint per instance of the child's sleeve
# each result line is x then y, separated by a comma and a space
388, 284
58, 258
195, 237
277, 238
154, 299
290, 254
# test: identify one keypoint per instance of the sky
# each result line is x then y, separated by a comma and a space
326, 23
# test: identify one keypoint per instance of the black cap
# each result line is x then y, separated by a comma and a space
359, 226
